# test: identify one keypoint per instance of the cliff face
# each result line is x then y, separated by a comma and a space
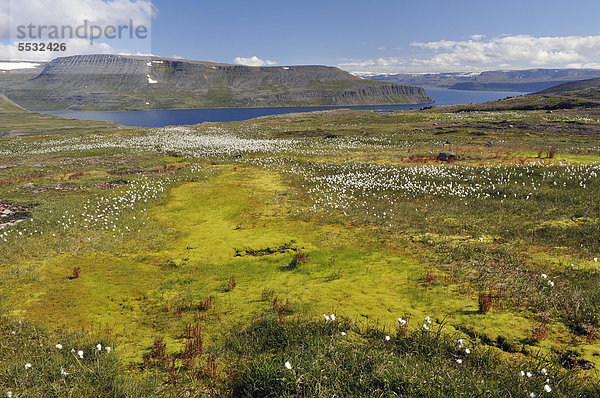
126, 82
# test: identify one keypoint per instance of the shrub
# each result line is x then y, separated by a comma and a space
299, 259
485, 302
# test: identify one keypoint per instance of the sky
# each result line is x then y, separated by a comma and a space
380, 36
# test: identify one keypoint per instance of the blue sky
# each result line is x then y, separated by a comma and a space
376, 36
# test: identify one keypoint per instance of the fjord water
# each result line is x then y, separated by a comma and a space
161, 118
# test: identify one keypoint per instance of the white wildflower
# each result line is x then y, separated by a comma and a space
547, 388
387, 338
459, 361
28, 366
544, 276
59, 347
99, 347
288, 365
107, 349
80, 353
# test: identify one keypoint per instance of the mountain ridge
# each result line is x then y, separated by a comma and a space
529, 80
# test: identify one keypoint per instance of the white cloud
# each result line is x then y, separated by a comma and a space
74, 12
480, 53
523, 49
478, 37
4, 18
253, 61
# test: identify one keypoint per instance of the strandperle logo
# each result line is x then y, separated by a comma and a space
86, 30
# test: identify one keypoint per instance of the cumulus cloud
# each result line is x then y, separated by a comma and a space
253, 61
73, 14
516, 49
480, 53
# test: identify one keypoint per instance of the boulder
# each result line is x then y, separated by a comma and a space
447, 156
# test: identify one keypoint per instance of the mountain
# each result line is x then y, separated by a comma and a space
115, 82
519, 80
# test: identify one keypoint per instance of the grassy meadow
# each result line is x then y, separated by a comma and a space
320, 254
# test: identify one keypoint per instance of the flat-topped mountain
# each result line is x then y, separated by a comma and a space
113, 82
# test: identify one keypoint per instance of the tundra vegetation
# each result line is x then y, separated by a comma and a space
320, 254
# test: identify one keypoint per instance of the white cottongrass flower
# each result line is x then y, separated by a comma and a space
99, 347
425, 327
532, 395
80, 353
27, 365
401, 321
9, 394
427, 319
522, 373
343, 333
550, 283
547, 388
326, 317
544, 276
288, 365
387, 338
595, 259
63, 373
467, 351
107, 349
460, 343
529, 374
459, 361
332, 316
59, 347
544, 371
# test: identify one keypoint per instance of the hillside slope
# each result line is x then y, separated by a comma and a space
589, 88
8, 106
108, 82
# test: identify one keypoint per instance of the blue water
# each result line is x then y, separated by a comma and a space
160, 118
